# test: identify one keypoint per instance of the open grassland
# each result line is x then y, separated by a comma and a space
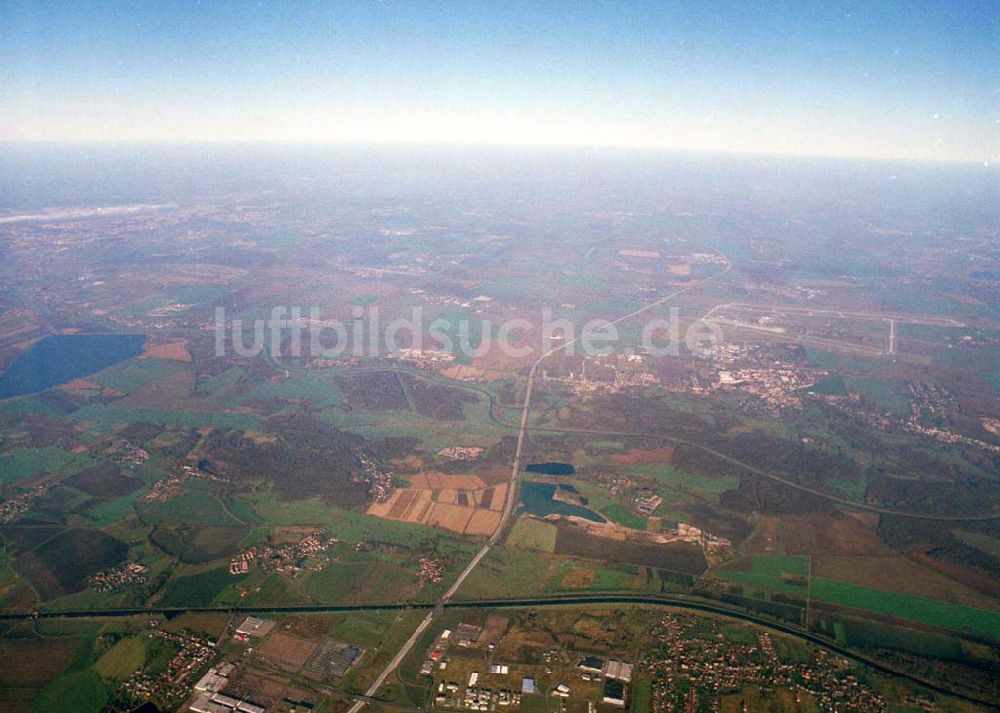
600, 500
788, 575
623, 516
63, 564
511, 572
193, 507
900, 574
136, 374
30, 663
366, 630
104, 417
221, 382
699, 486
843, 363
367, 581
122, 659
213, 624
199, 589
397, 629
78, 688
888, 393
533, 534
26, 463
345, 525
928, 611
777, 565
642, 695
319, 388
77, 692
433, 434
34, 404
84, 599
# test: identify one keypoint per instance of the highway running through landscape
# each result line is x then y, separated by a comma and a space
511, 500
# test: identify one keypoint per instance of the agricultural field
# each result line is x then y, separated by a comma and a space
791, 575
533, 534
831, 464
29, 463
459, 503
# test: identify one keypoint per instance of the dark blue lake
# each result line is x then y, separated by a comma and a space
59, 358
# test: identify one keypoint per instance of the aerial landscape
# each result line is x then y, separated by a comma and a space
434, 422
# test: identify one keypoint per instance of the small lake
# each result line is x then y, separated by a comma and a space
538, 501
60, 358
551, 468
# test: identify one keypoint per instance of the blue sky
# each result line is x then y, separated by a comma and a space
913, 79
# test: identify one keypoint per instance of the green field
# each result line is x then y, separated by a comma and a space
122, 659
221, 382
135, 374
905, 606
77, 692
16, 408
776, 565
366, 630
642, 695
112, 511
698, 485
533, 534
623, 516
888, 393
336, 582
829, 386
600, 500
78, 689
345, 525
106, 416
789, 575
199, 589
24, 463
767, 573
316, 387
841, 363
195, 507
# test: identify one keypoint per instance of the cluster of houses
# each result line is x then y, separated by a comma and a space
280, 558
194, 652
378, 477
131, 454
431, 570
117, 578
460, 452
11, 509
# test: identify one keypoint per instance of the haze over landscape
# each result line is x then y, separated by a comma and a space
542, 357
885, 79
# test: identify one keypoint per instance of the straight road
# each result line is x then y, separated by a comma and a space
668, 601
511, 499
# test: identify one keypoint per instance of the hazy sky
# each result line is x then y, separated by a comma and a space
910, 79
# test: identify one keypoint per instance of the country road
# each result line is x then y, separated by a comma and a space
494, 404
523, 428
666, 601
511, 499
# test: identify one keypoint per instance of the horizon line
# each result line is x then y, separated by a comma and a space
393, 143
